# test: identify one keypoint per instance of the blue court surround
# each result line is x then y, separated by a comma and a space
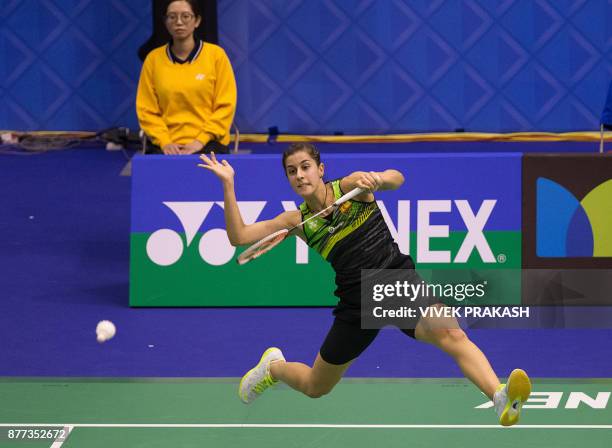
64, 263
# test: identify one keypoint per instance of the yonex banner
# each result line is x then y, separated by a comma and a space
455, 211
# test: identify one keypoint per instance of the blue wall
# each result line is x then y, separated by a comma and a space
69, 64
363, 66
319, 66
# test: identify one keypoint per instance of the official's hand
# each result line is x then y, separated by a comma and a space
171, 148
193, 147
223, 170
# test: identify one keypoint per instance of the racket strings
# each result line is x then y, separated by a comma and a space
263, 246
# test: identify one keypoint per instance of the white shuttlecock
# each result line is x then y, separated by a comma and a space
105, 330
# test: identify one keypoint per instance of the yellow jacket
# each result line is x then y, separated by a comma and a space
179, 103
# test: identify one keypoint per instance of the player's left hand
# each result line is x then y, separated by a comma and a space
369, 181
193, 147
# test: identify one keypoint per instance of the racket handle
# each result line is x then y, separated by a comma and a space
350, 195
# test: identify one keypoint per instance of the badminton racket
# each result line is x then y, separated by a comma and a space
271, 241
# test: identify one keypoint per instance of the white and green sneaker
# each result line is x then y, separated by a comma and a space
258, 379
509, 398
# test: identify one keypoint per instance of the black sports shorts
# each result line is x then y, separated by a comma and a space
346, 341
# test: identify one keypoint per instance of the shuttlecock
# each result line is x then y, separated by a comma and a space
105, 330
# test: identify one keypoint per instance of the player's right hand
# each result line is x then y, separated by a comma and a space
223, 170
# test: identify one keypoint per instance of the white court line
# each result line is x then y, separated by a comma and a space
58, 443
292, 426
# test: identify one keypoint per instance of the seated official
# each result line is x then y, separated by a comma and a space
186, 96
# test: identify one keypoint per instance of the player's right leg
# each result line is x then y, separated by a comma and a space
314, 381
343, 344
258, 379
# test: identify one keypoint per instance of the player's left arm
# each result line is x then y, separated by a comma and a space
372, 181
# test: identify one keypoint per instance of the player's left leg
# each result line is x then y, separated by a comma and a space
446, 334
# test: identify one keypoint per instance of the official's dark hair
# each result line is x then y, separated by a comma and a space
195, 6
297, 147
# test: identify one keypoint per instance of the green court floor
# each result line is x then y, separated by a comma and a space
358, 413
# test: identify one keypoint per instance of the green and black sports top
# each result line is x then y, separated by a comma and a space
354, 237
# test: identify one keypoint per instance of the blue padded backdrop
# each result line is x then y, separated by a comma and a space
70, 64
320, 66
369, 66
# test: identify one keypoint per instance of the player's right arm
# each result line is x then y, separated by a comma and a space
238, 232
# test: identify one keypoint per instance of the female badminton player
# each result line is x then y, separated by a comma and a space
351, 238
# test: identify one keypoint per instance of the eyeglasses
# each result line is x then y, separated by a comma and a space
185, 17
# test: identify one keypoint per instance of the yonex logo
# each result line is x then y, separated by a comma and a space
474, 222
569, 227
553, 400
165, 247
332, 229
